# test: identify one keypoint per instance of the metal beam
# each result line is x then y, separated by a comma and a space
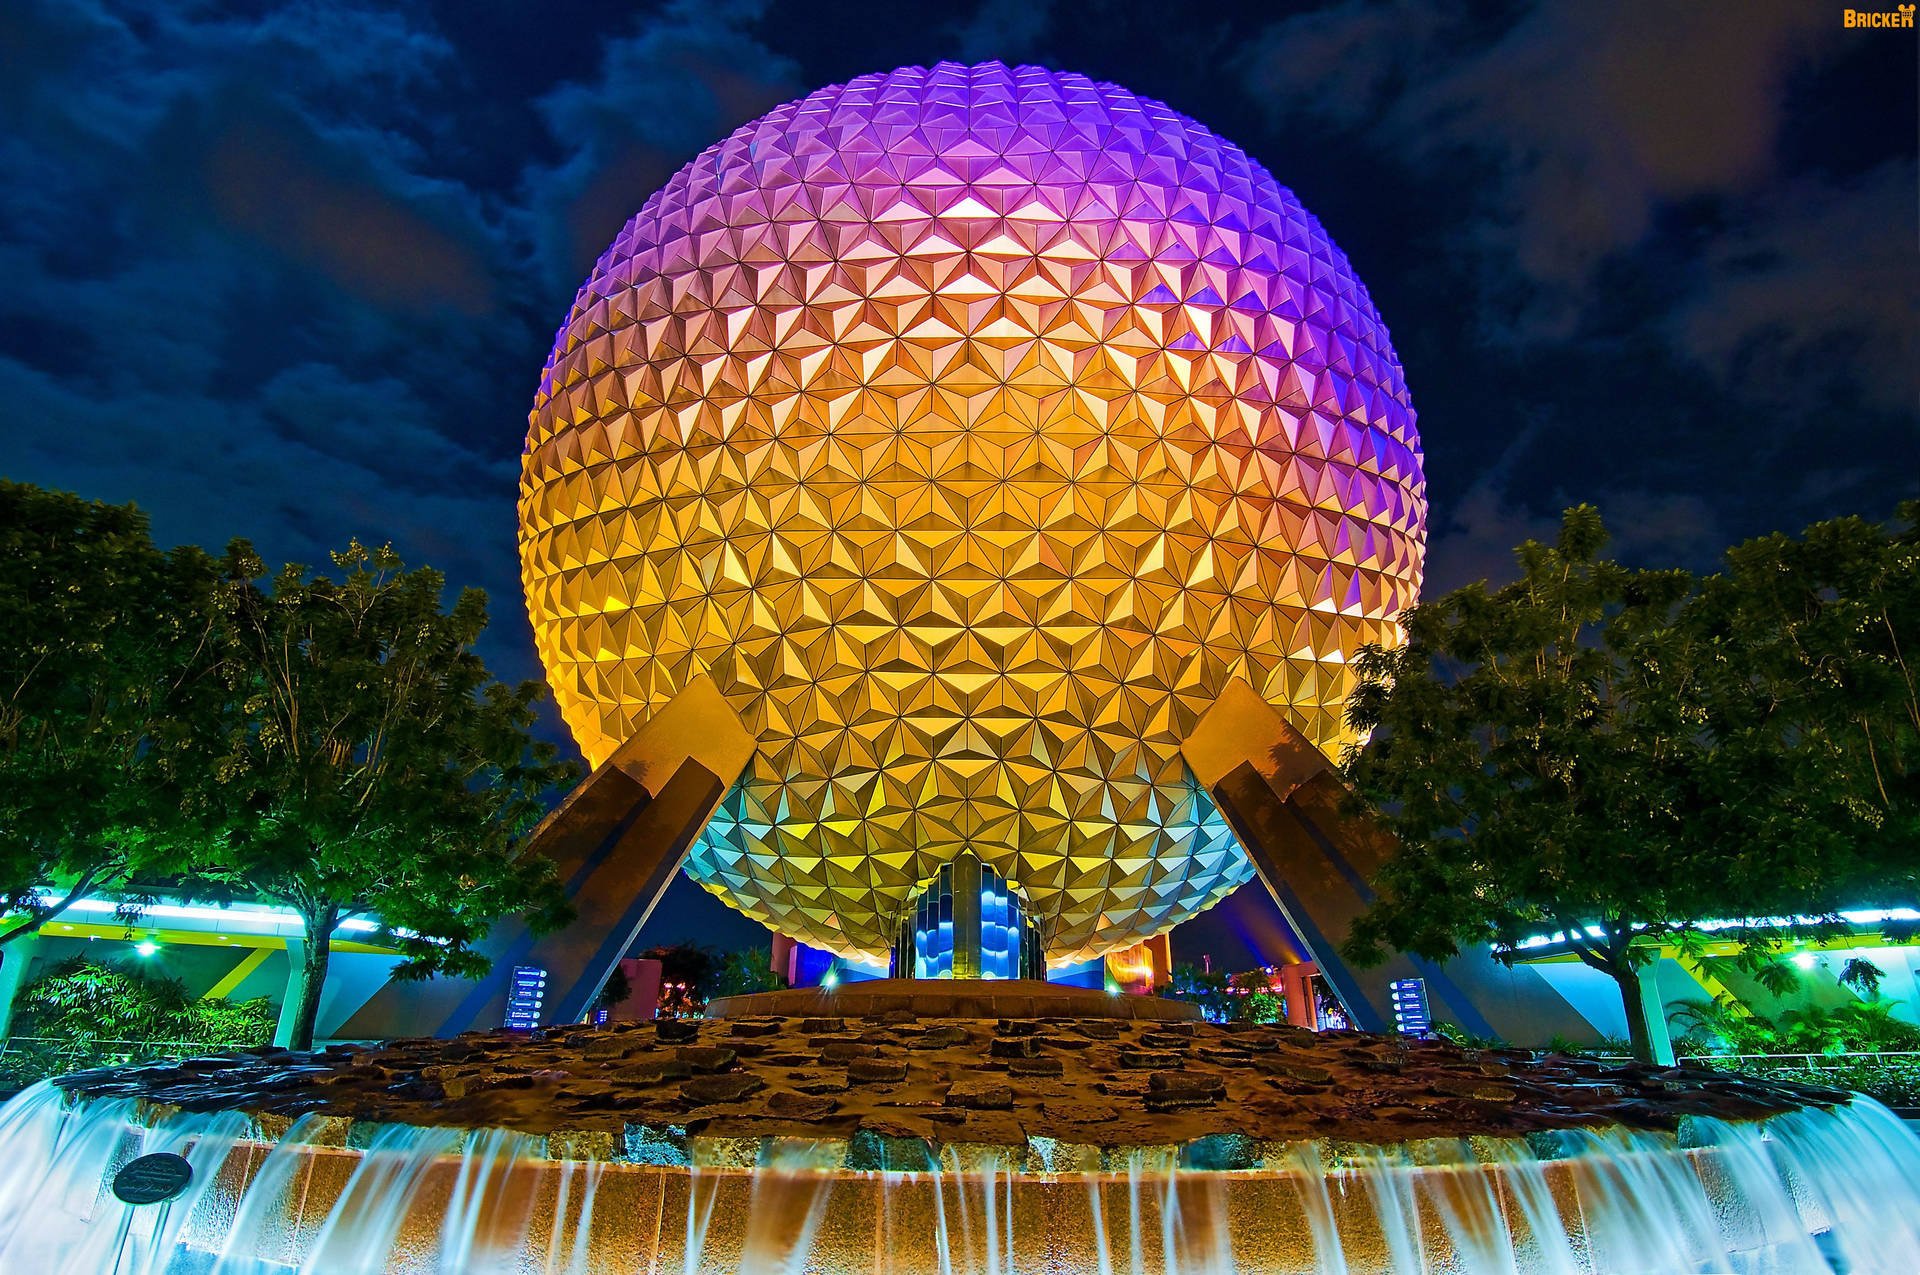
1288, 808
616, 841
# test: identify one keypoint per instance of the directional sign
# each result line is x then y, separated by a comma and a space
525, 994
1410, 1006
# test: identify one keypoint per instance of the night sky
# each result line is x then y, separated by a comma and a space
290, 271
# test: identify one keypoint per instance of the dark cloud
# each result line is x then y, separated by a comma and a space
662, 94
260, 282
1587, 118
1003, 30
1656, 280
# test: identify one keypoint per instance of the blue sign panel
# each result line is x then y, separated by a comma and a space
1410, 1006
524, 996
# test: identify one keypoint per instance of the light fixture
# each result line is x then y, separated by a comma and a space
146, 947
1805, 960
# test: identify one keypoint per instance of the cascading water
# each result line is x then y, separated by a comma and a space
1820, 1191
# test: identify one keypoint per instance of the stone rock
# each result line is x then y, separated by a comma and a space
846, 1051
652, 1071
1163, 1040
795, 1106
1477, 1090
1293, 1070
1225, 1057
1048, 1067
674, 1031
1144, 1059
1182, 1090
980, 1094
874, 1071
813, 1026
895, 1017
724, 1088
1064, 1042
1016, 1027
753, 1029
1098, 1029
821, 1084
706, 1058
1176, 1082
941, 1038
1014, 1047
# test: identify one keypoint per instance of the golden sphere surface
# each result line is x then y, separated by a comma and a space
971, 427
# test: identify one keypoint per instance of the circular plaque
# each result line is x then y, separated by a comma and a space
153, 1178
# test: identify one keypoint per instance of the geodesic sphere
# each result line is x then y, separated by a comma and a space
971, 427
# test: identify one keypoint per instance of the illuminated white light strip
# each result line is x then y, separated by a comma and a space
245, 918
1868, 916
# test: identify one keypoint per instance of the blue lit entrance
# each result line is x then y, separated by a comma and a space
968, 922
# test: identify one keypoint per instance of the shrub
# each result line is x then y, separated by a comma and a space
84, 1013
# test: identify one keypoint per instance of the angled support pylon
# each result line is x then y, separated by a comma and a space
1283, 800
616, 841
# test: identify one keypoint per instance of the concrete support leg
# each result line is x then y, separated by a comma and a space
1657, 1034
1296, 985
616, 842
1288, 808
290, 999
15, 960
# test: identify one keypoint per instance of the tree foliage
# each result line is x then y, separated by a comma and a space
1615, 754
746, 971
361, 761
688, 972
80, 1001
1722, 1025
102, 639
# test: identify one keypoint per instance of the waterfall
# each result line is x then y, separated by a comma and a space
1812, 1192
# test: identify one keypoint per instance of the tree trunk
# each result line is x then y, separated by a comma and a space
1628, 980
313, 971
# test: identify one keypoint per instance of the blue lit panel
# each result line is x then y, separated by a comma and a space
968, 922
1410, 1006
525, 995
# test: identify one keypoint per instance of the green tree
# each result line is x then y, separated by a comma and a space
615, 990
1546, 755
102, 639
687, 975
363, 762
1809, 694
1207, 990
747, 971
80, 1001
